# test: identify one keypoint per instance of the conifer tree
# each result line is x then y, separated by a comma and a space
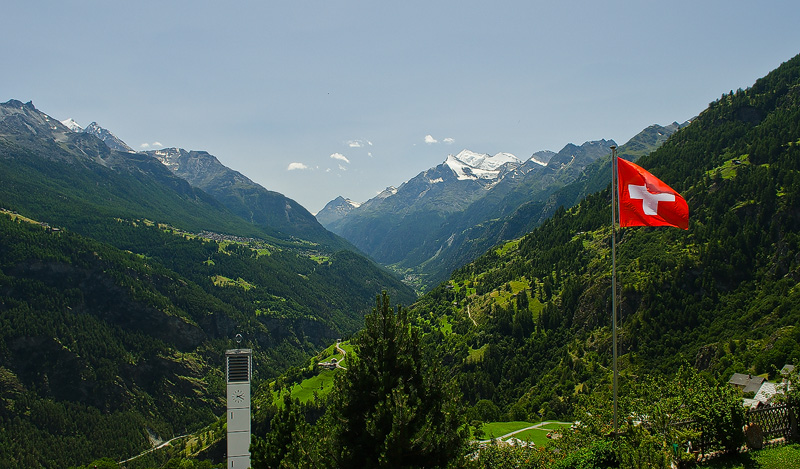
394, 407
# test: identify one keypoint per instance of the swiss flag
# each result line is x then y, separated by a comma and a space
646, 201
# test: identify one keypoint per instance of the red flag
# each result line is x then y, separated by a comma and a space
646, 201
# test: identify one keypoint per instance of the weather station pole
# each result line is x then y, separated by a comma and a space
614, 200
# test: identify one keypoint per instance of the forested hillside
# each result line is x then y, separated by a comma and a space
523, 332
100, 345
721, 296
121, 286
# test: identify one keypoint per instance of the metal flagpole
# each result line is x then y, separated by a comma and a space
614, 197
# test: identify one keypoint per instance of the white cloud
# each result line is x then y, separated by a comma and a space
429, 139
293, 166
340, 157
342, 168
144, 145
157, 144
358, 143
449, 140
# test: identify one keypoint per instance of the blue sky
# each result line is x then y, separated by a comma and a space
316, 99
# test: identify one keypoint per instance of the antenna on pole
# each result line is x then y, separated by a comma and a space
614, 201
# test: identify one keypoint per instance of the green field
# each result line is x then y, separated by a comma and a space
320, 384
539, 435
498, 429
780, 457
536, 435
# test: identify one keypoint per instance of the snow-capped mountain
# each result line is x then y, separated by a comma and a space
72, 125
111, 140
336, 209
541, 157
412, 226
106, 136
471, 165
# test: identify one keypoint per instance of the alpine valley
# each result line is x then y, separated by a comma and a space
448, 215
121, 285
523, 332
124, 276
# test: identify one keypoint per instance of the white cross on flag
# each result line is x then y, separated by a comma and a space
646, 201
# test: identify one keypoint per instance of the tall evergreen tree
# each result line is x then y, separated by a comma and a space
394, 407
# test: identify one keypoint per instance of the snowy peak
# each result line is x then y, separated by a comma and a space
107, 137
72, 125
541, 157
336, 209
469, 165
352, 203
388, 192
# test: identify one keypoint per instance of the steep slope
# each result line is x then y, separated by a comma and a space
101, 347
270, 210
46, 167
721, 296
336, 209
111, 140
115, 312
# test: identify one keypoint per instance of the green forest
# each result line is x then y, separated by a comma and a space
121, 286
523, 333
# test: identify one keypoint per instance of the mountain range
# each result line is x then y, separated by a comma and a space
271, 210
447, 215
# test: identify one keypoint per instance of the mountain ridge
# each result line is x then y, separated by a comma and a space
426, 213
252, 202
116, 311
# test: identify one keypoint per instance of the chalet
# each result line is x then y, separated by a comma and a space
747, 383
763, 391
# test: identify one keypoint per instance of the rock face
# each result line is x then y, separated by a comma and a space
336, 209
107, 137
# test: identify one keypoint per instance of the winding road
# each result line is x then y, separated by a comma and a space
341, 350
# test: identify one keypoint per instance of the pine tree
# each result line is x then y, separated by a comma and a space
394, 407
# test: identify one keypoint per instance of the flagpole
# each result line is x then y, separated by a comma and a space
614, 197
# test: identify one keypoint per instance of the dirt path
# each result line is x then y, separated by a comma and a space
147, 451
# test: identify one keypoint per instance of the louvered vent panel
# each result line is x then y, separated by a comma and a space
238, 369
